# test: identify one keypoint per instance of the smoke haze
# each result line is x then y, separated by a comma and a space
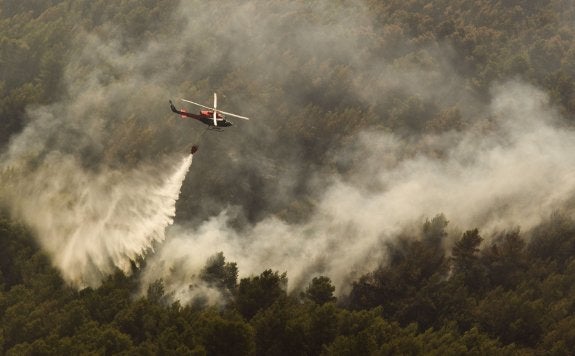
511, 176
95, 175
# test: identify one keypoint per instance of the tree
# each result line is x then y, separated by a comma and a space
404, 288
554, 239
320, 290
466, 264
257, 293
511, 316
433, 230
505, 260
219, 273
225, 335
156, 292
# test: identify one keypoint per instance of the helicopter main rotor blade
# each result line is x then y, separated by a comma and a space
214, 109
234, 115
200, 105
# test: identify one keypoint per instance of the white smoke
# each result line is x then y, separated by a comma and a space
514, 173
61, 174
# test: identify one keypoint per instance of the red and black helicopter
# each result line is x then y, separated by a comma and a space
214, 118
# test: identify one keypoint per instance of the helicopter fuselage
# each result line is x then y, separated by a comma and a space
205, 116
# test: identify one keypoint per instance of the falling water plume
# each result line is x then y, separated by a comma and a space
93, 223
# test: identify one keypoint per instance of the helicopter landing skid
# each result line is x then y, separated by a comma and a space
214, 128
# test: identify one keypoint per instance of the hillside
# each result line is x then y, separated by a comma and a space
404, 186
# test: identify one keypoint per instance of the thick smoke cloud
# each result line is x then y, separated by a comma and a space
513, 174
97, 173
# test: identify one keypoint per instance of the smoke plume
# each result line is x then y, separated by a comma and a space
337, 161
513, 174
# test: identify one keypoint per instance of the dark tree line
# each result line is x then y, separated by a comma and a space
507, 296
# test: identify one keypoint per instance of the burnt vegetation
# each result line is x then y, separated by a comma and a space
512, 293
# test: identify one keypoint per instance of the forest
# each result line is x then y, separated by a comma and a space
405, 185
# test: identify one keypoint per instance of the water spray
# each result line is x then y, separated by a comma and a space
94, 223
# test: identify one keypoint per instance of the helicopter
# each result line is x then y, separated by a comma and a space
214, 118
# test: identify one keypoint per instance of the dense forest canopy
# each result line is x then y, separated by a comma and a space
405, 185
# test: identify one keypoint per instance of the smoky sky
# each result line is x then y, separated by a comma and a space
335, 161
